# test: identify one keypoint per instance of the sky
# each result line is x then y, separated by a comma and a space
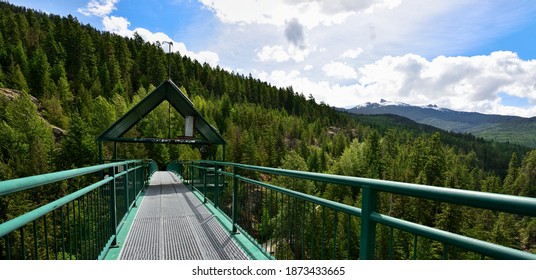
465, 55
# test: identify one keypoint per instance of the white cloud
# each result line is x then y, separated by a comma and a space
279, 54
339, 70
100, 8
461, 83
273, 53
283, 77
323, 91
299, 54
310, 13
352, 53
117, 25
308, 67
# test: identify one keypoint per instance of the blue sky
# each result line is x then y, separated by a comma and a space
460, 54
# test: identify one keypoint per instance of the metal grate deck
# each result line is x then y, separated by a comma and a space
172, 224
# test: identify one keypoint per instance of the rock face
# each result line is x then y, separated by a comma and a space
58, 133
11, 94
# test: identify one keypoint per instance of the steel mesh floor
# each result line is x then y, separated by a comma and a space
172, 224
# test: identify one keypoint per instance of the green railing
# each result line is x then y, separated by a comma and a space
80, 225
289, 224
176, 167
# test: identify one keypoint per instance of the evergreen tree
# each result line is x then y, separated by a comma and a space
15, 79
40, 83
525, 183
77, 148
435, 164
511, 175
373, 160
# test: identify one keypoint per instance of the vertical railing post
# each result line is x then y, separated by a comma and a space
368, 227
126, 188
216, 187
191, 176
146, 174
235, 200
113, 208
205, 184
135, 184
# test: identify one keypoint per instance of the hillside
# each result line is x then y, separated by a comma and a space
511, 129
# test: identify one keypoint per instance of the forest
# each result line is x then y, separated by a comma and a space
64, 83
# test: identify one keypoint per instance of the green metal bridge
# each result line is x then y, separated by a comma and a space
127, 209
214, 210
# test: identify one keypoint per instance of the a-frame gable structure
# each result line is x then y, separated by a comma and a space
167, 91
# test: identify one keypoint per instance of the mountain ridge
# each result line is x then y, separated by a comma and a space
503, 128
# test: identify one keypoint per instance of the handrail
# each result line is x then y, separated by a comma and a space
489, 249
81, 225
369, 213
499, 202
20, 184
317, 200
35, 214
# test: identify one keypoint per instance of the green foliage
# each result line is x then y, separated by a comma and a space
40, 82
77, 148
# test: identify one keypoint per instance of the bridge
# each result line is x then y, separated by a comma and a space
214, 209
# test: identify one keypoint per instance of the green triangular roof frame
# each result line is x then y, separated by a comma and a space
167, 91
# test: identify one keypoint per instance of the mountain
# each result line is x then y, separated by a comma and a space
511, 129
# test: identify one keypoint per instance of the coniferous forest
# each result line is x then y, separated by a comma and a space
63, 83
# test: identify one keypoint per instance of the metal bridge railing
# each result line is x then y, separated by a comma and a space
288, 224
80, 225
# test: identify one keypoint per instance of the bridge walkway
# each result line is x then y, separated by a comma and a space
173, 224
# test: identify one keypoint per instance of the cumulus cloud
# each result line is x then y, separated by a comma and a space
323, 91
98, 8
273, 53
334, 7
339, 70
310, 13
117, 25
352, 53
477, 83
463, 83
279, 54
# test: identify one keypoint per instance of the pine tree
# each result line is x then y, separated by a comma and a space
78, 147
40, 83
511, 175
373, 160
15, 79
435, 164
525, 183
